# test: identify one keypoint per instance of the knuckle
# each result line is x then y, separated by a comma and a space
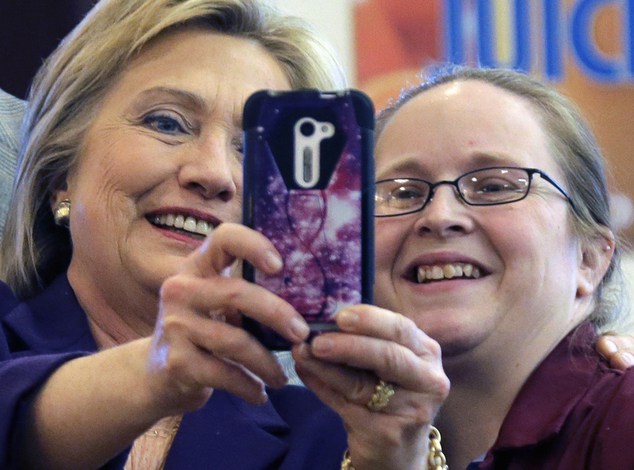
278, 308
443, 385
174, 288
232, 290
221, 232
172, 326
434, 349
405, 330
175, 364
361, 391
228, 344
396, 358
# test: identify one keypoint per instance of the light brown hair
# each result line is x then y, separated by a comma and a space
575, 150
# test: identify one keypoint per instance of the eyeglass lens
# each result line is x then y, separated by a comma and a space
487, 186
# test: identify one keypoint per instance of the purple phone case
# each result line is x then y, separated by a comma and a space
325, 233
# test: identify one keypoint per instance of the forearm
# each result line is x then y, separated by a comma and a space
90, 410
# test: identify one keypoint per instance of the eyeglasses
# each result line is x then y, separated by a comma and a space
484, 187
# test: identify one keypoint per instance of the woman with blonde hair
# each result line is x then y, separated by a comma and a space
121, 343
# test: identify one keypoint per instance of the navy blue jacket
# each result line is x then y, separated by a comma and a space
293, 430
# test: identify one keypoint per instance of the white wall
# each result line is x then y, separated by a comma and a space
333, 19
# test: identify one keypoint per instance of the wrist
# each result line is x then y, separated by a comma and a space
435, 458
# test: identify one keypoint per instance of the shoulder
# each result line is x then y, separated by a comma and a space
606, 413
11, 114
8, 300
50, 322
615, 390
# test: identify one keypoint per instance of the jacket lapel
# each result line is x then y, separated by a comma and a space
52, 321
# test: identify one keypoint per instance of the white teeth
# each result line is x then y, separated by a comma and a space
467, 270
447, 271
202, 227
436, 272
189, 224
179, 221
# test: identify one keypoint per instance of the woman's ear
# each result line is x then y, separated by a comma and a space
594, 261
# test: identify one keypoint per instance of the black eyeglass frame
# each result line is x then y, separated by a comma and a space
454, 183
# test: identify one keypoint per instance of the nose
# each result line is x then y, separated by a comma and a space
213, 169
445, 214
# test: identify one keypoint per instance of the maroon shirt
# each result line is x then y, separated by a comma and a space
573, 413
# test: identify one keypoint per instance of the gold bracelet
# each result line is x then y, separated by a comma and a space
435, 459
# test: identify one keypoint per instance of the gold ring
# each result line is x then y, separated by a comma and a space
381, 396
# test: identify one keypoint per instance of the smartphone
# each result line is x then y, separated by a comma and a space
309, 187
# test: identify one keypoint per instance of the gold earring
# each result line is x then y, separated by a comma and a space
61, 214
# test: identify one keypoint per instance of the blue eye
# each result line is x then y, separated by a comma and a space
164, 124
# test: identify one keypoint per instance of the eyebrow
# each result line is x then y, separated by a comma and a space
177, 95
190, 100
477, 160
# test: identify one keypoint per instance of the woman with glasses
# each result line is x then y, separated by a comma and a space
123, 349
493, 235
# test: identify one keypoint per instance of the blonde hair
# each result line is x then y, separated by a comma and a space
577, 153
68, 89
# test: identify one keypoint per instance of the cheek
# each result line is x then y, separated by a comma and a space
387, 242
533, 246
127, 167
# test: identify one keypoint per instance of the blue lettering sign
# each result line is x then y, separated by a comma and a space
572, 33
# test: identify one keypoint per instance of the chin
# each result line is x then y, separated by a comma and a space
455, 347
454, 337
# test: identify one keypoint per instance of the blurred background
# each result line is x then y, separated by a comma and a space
584, 47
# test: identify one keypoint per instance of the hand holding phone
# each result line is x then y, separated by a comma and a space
309, 188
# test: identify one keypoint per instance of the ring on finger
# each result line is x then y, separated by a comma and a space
381, 396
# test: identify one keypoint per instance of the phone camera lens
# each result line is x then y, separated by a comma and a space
307, 129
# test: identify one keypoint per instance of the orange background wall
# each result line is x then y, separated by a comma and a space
395, 38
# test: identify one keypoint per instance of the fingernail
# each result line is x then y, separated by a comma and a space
299, 328
347, 319
321, 345
610, 346
303, 350
628, 359
273, 261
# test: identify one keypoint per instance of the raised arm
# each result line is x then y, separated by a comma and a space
93, 407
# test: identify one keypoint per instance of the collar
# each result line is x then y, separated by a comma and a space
52, 321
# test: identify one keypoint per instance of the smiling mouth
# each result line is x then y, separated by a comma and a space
179, 223
435, 273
